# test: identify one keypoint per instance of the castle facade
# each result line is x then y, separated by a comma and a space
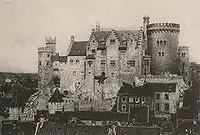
97, 67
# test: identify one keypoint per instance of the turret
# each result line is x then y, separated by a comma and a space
183, 63
45, 63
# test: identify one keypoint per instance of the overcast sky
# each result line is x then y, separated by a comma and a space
25, 23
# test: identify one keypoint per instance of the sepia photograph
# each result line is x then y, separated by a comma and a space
99, 67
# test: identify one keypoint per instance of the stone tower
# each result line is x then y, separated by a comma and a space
45, 63
90, 72
183, 63
163, 40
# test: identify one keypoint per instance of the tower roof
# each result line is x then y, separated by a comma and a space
78, 48
56, 97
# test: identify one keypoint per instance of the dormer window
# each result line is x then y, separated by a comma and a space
79, 51
112, 41
90, 63
93, 50
112, 63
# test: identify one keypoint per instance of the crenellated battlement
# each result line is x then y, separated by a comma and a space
50, 40
185, 48
45, 49
172, 27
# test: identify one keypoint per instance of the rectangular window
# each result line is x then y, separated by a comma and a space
157, 96
166, 107
137, 100
131, 63
143, 99
157, 107
103, 52
147, 62
103, 62
48, 63
74, 73
112, 63
123, 99
166, 97
112, 41
40, 63
131, 99
122, 51
123, 108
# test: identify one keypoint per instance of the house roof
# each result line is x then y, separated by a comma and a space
56, 97
78, 48
18, 101
147, 89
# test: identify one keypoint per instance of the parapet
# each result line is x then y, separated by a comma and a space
172, 27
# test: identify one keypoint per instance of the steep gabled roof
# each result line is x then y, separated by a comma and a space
121, 34
127, 34
18, 101
78, 48
56, 97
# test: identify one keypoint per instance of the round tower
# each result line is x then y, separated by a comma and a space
45, 63
163, 40
184, 63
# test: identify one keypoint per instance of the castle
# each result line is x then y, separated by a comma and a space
97, 67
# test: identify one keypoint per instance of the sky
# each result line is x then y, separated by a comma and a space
24, 24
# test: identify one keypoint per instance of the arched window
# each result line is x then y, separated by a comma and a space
159, 53
164, 42
162, 53
77, 61
157, 42
161, 42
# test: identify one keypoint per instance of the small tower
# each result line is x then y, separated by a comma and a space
183, 63
45, 63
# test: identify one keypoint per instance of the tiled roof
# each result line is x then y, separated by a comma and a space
127, 34
121, 34
147, 89
56, 97
78, 48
